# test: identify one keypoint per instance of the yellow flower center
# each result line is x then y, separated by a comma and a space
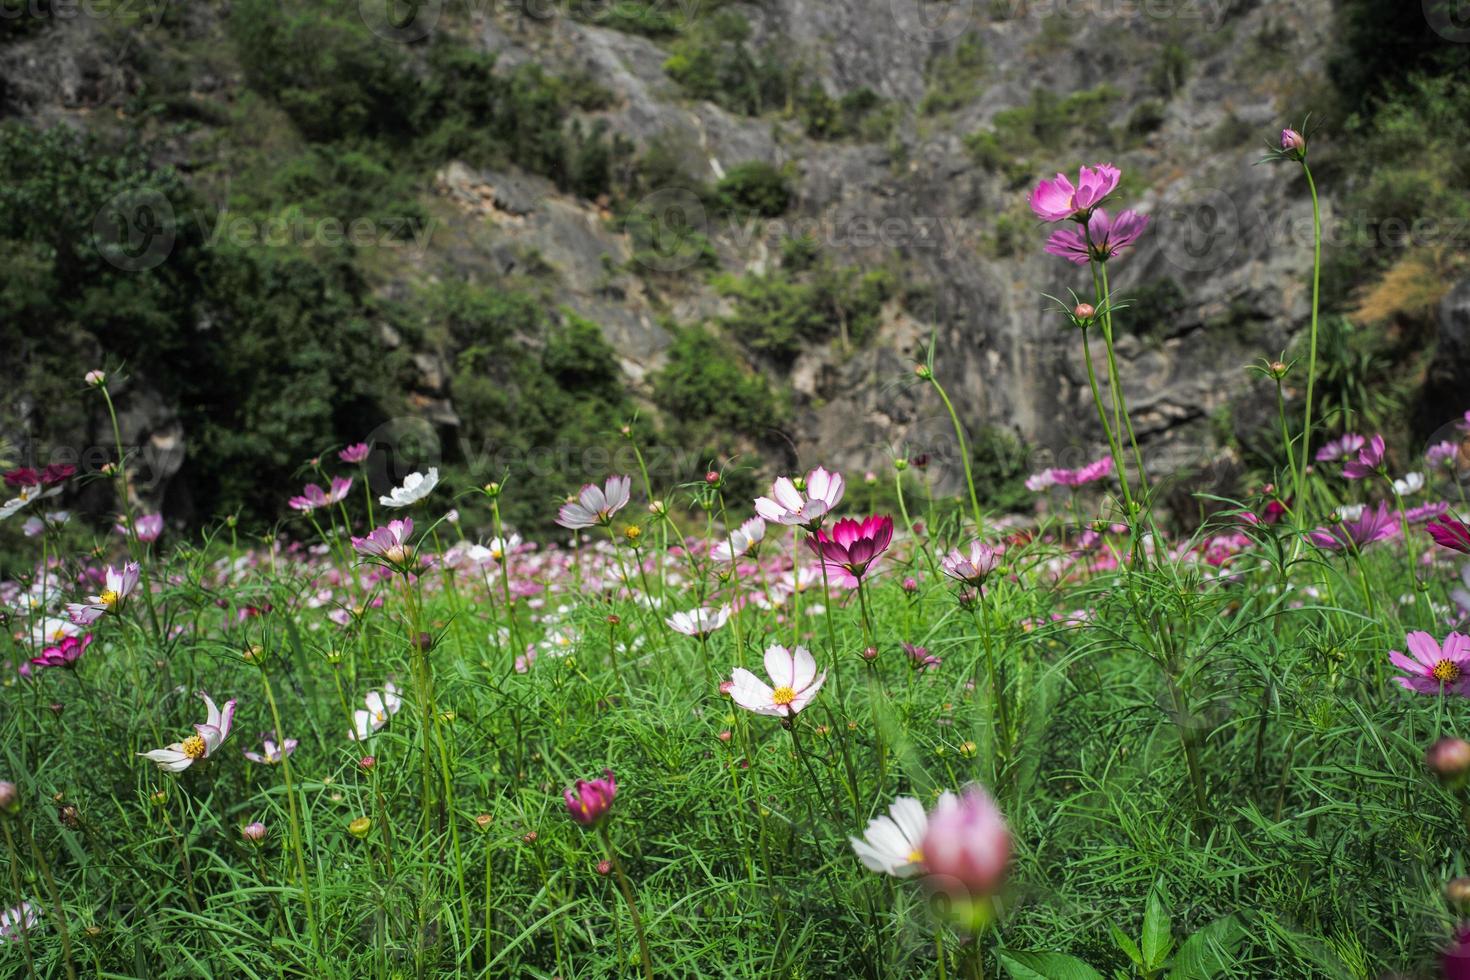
916, 856
1446, 671
193, 746
109, 598
783, 695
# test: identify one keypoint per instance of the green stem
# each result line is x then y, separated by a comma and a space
295, 819
1312, 343
627, 891
959, 433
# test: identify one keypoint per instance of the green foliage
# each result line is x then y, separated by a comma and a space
1170, 71
754, 188
1044, 125
860, 114
707, 395
955, 76
714, 61
1152, 309
778, 315
998, 461
325, 68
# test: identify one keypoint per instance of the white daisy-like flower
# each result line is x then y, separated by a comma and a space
381, 705
205, 741
415, 487
892, 845
1409, 484
596, 505
699, 622
794, 676
741, 539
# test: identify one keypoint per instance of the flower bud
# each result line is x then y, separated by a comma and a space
69, 816
592, 799
1084, 312
712, 478
492, 489
360, 827
1457, 893
632, 532
95, 378
1449, 759
424, 642
604, 866
910, 585
1293, 144
483, 821
725, 736
900, 464
253, 833
869, 654
367, 762
922, 372
9, 798
1277, 369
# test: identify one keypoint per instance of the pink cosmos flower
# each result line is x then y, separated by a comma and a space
1058, 200
1450, 533
387, 543
271, 754
794, 674
1426, 512
65, 654
973, 565
355, 453
1103, 239
1369, 461
806, 506
967, 844
147, 528
313, 496
850, 548
595, 506
1344, 446
1441, 454
1436, 667
1292, 143
205, 741
119, 584
1370, 526
592, 799
1098, 470
1045, 480
920, 657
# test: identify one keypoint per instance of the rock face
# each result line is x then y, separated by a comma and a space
1186, 94
1449, 374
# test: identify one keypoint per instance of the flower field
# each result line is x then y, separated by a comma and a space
695, 734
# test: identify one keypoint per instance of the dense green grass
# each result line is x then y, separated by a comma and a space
1314, 825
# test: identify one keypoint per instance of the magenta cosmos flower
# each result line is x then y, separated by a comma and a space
64, 654
1098, 470
1103, 238
966, 844
1436, 667
1057, 199
592, 799
1368, 527
1369, 461
355, 453
1450, 533
146, 528
387, 543
794, 676
850, 548
314, 496
802, 506
205, 741
972, 565
596, 505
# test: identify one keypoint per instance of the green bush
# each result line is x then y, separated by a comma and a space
707, 395
954, 77
1046, 123
754, 187
860, 114
777, 315
714, 62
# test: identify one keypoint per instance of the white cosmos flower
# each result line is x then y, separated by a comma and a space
741, 539
1350, 512
18, 920
1409, 484
892, 845
794, 674
381, 705
699, 622
416, 486
207, 738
